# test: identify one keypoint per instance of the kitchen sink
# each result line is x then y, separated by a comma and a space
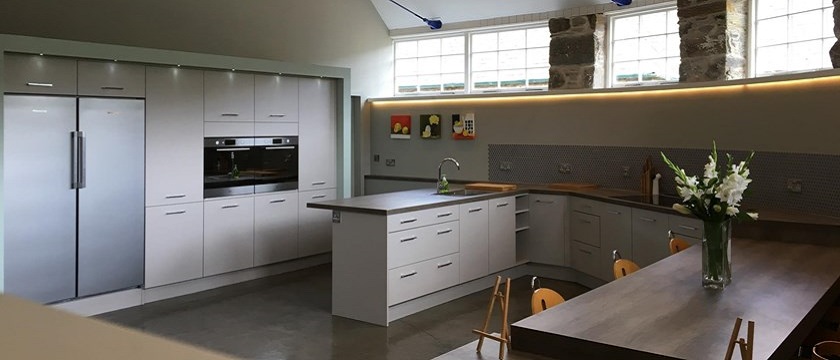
463, 192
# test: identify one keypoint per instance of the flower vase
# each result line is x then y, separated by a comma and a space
717, 260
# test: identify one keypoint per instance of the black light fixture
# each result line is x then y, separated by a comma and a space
433, 23
622, 2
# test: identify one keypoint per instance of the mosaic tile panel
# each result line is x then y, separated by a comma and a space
604, 165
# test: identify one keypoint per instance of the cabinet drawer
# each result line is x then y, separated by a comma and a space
421, 218
415, 245
36, 74
412, 281
587, 206
174, 244
688, 227
586, 228
109, 78
586, 258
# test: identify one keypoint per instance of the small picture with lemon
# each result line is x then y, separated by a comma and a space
400, 127
430, 126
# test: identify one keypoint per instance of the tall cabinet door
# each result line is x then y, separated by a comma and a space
547, 240
502, 233
111, 210
275, 227
228, 235
40, 205
174, 243
275, 98
174, 135
315, 225
317, 134
473, 244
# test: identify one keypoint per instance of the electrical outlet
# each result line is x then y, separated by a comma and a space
794, 185
625, 171
505, 165
564, 168
375, 157
390, 162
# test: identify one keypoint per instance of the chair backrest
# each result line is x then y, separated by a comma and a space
624, 267
827, 350
677, 244
543, 299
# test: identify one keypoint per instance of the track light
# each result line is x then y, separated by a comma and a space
434, 24
622, 2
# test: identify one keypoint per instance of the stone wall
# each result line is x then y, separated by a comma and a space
834, 53
576, 55
713, 39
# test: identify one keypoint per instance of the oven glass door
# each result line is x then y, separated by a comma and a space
229, 170
276, 165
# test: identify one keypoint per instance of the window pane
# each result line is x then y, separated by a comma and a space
771, 8
652, 24
673, 45
673, 22
452, 64
624, 72
538, 77
624, 28
537, 57
512, 59
485, 80
625, 50
673, 71
484, 61
429, 47
772, 31
828, 22
428, 65
404, 67
429, 83
803, 5
453, 82
511, 79
653, 70
538, 37
406, 84
827, 3
484, 42
806, 55
770, 60
805, 26
652, 47
405, 49
452, 45
512, 40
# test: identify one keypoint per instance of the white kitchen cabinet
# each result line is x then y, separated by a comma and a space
501, 233
585, 228
688, 228
616, 234
275, 98
317, 128
650, 237
228, 235
174, 135
547, 240
474, 240
228, 96
419, 244
315, 225
584, 258
111, 78
275, 227
415, 280
37, 74
174, 244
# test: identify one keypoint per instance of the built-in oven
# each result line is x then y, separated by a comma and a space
243, 166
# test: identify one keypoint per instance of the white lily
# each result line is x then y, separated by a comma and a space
681, 209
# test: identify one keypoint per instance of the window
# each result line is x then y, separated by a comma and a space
792, 35
644, 48
511, 59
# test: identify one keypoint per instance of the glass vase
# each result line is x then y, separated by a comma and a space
717, 260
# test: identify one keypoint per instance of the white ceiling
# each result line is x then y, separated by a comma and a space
453, 11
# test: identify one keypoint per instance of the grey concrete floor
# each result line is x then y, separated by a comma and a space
288, 317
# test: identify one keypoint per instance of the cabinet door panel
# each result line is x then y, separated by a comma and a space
616, 234
275, 227
474, 240
109, 78
228, 235
317, 150
36, 74
546, 240
585, 258
229, 96
502, 233
585, 228
315, 225
174, 244
650, 237
276, 98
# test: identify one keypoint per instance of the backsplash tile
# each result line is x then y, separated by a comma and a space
603, 165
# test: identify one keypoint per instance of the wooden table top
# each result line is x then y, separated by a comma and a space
663, 312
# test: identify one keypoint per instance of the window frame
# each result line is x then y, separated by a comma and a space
609, 36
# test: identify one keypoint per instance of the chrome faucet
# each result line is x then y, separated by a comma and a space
440, 187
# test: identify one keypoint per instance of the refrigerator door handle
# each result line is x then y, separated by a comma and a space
82, 160
74, 159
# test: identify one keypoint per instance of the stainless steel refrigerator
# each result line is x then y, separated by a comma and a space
74, 218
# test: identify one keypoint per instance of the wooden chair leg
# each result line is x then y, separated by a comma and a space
489, 312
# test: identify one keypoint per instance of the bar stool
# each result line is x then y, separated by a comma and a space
543, 298
676, 244
622, 267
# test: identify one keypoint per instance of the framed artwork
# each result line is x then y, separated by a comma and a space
463, 129
430, 126
400, 127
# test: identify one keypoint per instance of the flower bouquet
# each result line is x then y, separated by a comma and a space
715, 199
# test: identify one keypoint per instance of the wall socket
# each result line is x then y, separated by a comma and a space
375, 157
505, 165
794, 185
390, 162
564, 168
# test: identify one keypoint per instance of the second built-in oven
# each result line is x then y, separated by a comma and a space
242, 166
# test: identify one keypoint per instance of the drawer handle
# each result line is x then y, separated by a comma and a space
585, 222
502, 204
119, 88
37, 84
441, 232
230, 114
403, 276
545, 202
585, 252
315, 183
230, 206
178, 212
444, 264
176, 196
277, 201
318, 196
647, 219
474, 210
686, 227
407, 221
408, 239
444, 214
614, 212
276, 115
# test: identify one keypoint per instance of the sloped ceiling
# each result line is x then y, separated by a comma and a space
453, 11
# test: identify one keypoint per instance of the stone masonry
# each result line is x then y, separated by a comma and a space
834, 53
576, 54
713, 39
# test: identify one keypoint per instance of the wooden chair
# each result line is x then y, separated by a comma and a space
677, 244
624, 267
543, 299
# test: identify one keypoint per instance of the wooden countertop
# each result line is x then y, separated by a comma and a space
662, 311
32, 331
